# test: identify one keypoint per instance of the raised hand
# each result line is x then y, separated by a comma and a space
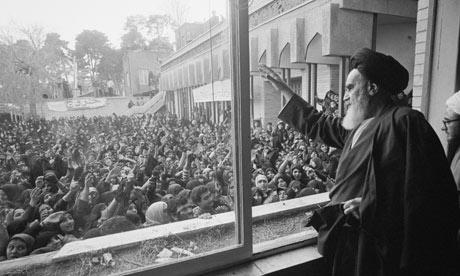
89, 180
114, 172
275, 80
74, 165
295, 161
74, 186
54, 218
35, 196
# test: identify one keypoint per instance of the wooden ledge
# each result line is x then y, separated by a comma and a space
132, 238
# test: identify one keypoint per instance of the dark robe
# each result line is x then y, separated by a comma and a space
409, 213
455, 167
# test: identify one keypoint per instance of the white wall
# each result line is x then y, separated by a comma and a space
444, 66
398, 40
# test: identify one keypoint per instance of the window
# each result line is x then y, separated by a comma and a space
143, 77
166, 143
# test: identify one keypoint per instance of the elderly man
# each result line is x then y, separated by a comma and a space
452, 128
393, 183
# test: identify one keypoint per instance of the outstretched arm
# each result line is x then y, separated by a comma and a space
303, 117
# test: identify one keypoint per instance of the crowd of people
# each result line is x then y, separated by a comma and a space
138, 101
67, 179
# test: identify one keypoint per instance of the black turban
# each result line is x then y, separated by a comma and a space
381, 69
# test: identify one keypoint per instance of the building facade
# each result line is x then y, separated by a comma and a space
141, 70
437, 58
187, 32
308, 42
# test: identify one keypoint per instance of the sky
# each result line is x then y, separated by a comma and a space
69, 18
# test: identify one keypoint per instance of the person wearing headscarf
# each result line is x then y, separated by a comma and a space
261, 182
157, 214
393, 207
19, 245
51, 188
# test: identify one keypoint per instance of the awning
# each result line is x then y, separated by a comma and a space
218, 91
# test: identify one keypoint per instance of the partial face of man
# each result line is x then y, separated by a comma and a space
197, 174
48, 187
356, 96
39, 183
262, 183
282, 195
16, 249
185, 212
257, 199
281, 183
44, 210
451, 124
67, 224
270, 174
206, 202
132, 209
297, 174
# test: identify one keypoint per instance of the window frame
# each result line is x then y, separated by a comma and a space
243, 249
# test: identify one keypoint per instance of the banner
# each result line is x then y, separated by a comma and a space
77, 104
330, 104
218, 91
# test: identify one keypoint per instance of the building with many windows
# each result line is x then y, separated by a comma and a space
308, 42
188, 31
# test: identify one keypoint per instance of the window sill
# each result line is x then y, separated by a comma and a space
127, 239
277, 263
261, 250
278, 255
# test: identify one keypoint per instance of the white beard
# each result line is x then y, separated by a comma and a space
356, 114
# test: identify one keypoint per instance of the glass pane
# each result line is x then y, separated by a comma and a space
116, 134
300, 42
291, 173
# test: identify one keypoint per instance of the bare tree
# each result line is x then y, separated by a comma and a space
6, 35
178, 10
28, 63
35, 35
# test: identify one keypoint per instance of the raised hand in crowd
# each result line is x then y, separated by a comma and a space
36, 195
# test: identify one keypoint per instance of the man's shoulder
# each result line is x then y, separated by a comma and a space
400, 114
402, 111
